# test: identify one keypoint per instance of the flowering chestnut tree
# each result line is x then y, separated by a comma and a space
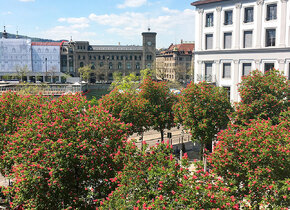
155, 180
161, 101
263, 96
129, 108
204, 110
14, 110
62, 156
255, 162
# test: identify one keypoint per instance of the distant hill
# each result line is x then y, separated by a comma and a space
33, 39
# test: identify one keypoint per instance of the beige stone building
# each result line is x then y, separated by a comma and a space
107, 59
176, 63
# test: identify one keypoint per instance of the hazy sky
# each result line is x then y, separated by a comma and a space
100, 21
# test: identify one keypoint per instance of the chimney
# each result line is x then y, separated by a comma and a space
119, 43
181, 41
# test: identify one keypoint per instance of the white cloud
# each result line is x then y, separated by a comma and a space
72, 20
26, 0
132, 3
81, 22
172, 24
65, 32
7, 13
172, 11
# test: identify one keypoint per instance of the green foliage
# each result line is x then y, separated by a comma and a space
125, 83
146, 74
255, 162
85, 72
155, 180
263, 96
61, 156
161, 101
203, 109
129, 108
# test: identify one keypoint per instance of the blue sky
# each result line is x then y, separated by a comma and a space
100, 21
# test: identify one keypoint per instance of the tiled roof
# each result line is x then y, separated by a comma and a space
201, 2
47, 43
116, 48
187, 48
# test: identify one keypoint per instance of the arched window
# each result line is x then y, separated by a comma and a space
46, 50
149, 65
137, 65
13, 50
102, 77
129, 66
93, 66
110, 75
110, 65
81, 64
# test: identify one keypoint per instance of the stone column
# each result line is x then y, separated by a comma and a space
218, 27
282, 65
259, 23
237, 25
198, 71
257, 65
200, 12
283, 15
217, 72
236, 77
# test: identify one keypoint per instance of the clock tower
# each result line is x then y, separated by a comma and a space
149, 49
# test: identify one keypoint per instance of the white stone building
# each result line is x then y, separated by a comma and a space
234, 37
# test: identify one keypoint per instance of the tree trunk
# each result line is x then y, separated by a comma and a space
162, 135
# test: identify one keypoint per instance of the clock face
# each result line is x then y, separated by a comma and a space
149, 43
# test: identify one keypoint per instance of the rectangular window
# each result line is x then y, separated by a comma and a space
226, 70
228, 17
208, 41
209, 20
248, 39
208, 72
272, 12
246, 68
227, 40
269, 66
270, 37
249, 15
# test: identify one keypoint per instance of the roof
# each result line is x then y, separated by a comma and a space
117, 48
47, 43
187, 48
201, 2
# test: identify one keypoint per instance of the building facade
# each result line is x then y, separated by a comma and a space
53, 61
236, 37
107, 59
176, 63
33, 61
